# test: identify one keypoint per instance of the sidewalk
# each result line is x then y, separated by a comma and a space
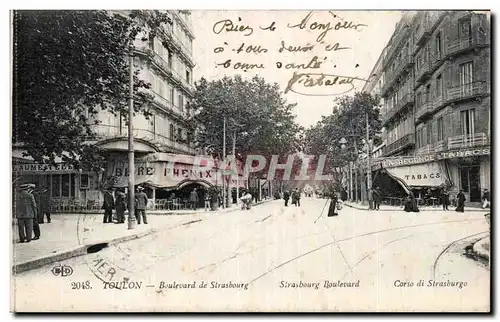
69, 235
400, 208
482, 248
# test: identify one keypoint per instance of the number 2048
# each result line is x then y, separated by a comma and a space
81, 285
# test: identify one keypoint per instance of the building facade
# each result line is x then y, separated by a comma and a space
167, 63
437, 99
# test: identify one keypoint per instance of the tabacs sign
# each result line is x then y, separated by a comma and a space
405, 161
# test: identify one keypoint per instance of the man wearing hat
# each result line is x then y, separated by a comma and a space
26, 212
141, 202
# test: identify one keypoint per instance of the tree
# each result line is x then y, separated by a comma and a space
68, 66
347, 121
255, 110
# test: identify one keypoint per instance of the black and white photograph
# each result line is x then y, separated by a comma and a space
167, 160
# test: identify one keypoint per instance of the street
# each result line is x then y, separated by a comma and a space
275, 258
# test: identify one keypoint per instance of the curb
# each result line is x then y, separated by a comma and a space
82, 250
479, 251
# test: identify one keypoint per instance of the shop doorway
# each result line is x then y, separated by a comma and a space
470, 182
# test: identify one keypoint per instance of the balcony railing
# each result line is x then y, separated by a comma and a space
423, 110
407, 100
440, 146
423, 72
424, 32
461, 44
467, 141
104, 131
407, 140
466, 91
427, 149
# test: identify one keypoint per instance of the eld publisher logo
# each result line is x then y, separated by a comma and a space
62, 270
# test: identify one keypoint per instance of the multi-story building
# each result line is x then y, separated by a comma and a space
167, 63
437, 96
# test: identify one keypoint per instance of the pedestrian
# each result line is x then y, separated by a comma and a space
445, 198
296, 197
411, 203
193, 199
377, 198
26, 211
486, 199
141, 202
461, 201
108, 205
36, 225
286, 197
207, 200
121, 205
332, 210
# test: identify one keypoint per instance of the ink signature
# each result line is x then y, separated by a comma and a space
307, 82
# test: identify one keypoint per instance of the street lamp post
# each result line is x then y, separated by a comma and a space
343, 143
131, 193
368, 163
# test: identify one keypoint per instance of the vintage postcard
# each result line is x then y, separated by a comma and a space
251, 161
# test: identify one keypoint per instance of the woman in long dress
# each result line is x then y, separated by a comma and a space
460, 201
333, 205
411, 203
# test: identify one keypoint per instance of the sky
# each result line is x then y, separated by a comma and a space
362, 34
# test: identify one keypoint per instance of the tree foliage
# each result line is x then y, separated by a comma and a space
348, 121
255, 110
68, 66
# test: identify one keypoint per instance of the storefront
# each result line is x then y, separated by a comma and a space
164, 174
64, 186
466, 169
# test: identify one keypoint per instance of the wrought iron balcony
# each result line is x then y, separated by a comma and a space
426, 149
423, 73
424, 110
440, 146
406, 141
105, 131
467, 141
462, 44
466, 91
406, 101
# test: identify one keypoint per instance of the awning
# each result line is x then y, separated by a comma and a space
432, 174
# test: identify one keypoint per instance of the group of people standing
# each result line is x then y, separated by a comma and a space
294, 194
119, 202
29, 213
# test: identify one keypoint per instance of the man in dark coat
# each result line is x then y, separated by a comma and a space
460, 202
332, 210
141, 202
296, 197
445, 198
26, 212
121, 205
193, 199
108, 205
377, 198
286, 196
36, 225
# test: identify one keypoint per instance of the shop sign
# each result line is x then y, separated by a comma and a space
42, 168
167, 174
430, 174
406, 161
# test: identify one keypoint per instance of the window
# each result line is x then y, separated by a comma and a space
465, 30
170, 59
439, 85
188, 76
181, 102
428, 93
438, 45
466, 78
179, 134
440, 129
467, 120
172, 95
171, 129
419, 99
429, 133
